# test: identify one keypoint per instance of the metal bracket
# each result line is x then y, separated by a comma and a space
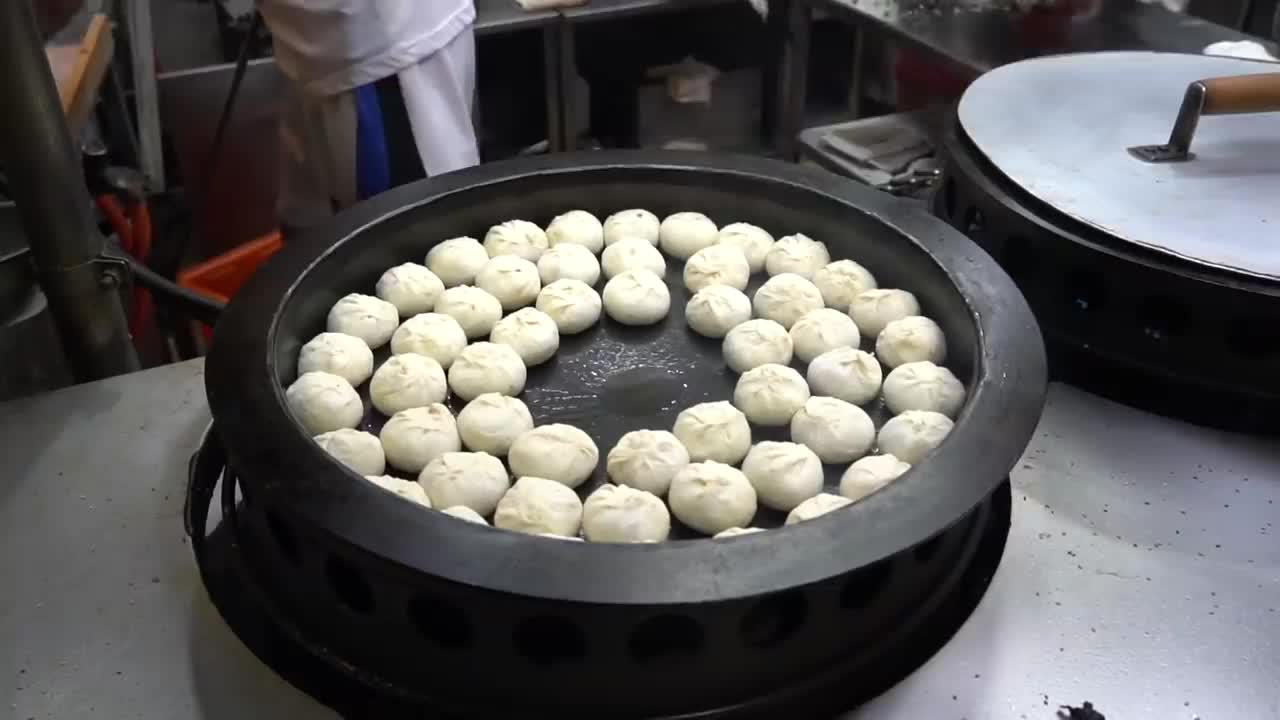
1178, 149
146, 94
916, 182
108, 270
113, 269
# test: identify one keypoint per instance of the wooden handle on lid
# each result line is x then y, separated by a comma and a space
1241, 94
1258, 93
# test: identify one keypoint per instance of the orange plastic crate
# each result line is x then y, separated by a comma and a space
220, 277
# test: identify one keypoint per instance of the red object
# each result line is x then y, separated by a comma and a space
221, 276
110, 208
1048, 27
922, 80
140, 222
134, 232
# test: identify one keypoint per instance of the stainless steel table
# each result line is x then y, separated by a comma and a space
494, 17
979, 40
618, 9
1141, 572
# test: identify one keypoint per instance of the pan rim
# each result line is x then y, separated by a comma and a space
1005, 403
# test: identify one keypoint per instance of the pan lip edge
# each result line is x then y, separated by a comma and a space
263, 442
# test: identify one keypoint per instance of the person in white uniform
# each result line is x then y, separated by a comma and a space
380, 95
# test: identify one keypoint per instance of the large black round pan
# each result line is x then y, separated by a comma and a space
502, 619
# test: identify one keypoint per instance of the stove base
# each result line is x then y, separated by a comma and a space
234, 589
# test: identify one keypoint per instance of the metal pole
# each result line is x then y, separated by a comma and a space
858, 85
146, 95
795, 80
47, 183
557, 64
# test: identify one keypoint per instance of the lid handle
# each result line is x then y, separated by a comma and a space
1213, 96
1241, 94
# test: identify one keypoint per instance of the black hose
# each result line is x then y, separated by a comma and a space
174, 259
192, 304
168, 260
228, 105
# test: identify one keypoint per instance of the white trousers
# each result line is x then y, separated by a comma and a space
318, 135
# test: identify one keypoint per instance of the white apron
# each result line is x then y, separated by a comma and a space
333, 51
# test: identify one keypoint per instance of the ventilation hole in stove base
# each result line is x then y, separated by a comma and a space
245, 494
774, 619
974, 223
1254, 337
925, 551
284, 538
1161, 318
1085, 292
249, 537
861, 589
350, 587
549, 640
1018, 259
665, 638
440, 622
949, 198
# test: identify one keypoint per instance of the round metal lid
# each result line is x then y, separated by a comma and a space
1061, 128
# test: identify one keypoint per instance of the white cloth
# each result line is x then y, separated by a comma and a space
438, 94
317, 133
548, 4
1244, 49
331, 46
1170, 5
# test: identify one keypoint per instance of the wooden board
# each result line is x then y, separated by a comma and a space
78, 70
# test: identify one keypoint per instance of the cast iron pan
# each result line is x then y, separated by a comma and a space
489, 623
613, 379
